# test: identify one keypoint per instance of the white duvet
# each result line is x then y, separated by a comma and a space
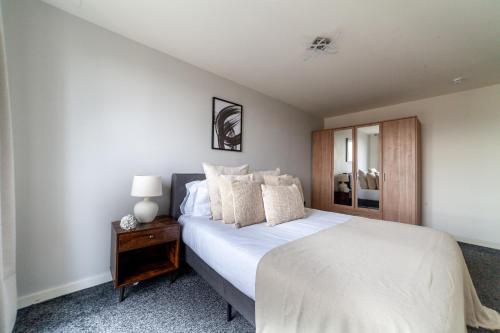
235, 253
369, 276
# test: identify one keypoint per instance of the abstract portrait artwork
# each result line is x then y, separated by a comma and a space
227, 125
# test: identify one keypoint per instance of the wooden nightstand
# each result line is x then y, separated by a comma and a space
147, 251
342, 198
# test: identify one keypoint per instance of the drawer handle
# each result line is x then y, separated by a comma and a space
151, 236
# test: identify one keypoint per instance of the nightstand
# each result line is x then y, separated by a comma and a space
342, 198
147, 251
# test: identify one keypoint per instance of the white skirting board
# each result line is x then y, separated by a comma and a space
95, 280
478, 242
44, 295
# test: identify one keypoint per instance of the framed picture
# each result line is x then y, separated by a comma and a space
227, 125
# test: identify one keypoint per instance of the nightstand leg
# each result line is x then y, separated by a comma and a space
120, 296
173, 276
229, 314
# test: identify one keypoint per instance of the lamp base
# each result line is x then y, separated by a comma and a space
146, 210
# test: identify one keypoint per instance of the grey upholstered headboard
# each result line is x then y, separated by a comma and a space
178, 190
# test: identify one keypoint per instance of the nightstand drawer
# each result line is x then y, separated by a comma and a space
136, 240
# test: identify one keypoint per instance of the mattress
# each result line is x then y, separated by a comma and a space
235, 253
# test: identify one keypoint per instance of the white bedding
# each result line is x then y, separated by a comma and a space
368, 194
235, 253
369, 275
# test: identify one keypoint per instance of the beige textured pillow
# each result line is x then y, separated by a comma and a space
248, 204
211, 173
362, 180
284, 180
282, 203
226, 195
376, 174
371, 180
259, 175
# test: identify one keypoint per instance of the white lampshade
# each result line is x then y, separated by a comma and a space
146, 186
343, 177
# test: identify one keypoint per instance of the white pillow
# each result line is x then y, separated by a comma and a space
363, 184
371, 180
258, 176
212, 172
196, 202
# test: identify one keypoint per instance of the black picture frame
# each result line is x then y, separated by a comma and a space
231, 120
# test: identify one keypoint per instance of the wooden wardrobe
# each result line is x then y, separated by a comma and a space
371, 170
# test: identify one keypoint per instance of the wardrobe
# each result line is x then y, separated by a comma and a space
371, 170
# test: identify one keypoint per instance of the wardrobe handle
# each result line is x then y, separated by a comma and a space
384, 176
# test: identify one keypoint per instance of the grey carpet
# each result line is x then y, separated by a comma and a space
190, 305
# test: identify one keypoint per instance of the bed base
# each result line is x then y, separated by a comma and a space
243, 304
234, 298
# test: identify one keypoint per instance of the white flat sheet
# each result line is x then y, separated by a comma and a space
368, 194
235, 253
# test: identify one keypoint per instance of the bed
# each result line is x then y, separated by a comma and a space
235, 266
368, 198
236, 299
234, 279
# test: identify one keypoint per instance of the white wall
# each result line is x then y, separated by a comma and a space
461, 159
341, 165
91, 109
373, 154
362, 151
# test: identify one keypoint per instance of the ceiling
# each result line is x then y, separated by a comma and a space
389, 51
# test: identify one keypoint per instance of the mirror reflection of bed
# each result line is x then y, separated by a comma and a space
368, 167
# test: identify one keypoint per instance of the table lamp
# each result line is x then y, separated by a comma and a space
146, 187
343, 179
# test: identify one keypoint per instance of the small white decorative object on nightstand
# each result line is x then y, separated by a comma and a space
146, 187
128, 222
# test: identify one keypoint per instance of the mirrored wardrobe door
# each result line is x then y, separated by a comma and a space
342, 167
368, 166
